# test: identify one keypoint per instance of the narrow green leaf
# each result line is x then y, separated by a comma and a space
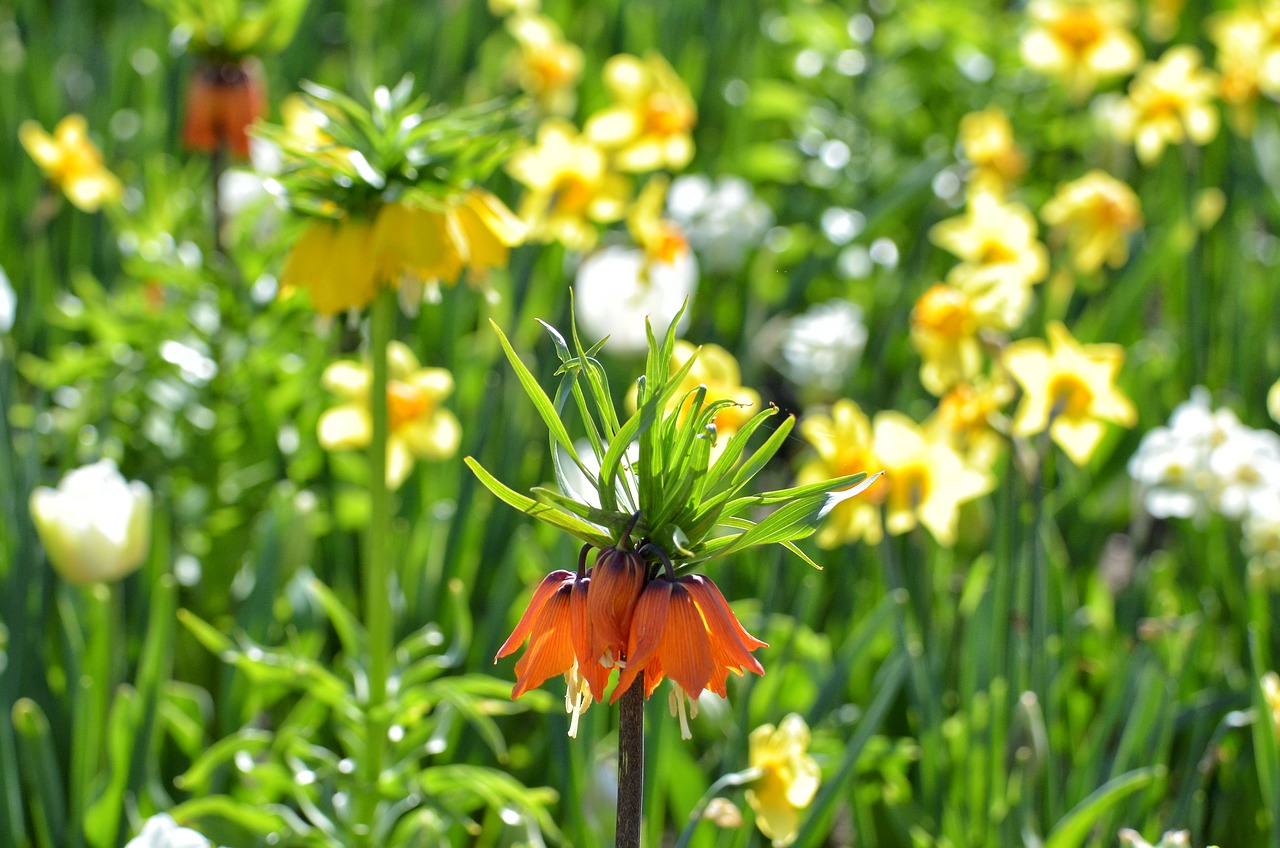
570, 524
1073, 829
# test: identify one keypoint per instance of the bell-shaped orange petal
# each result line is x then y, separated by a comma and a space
541, 595
616, 582
729, 651
550, 650
685, 651
648, 622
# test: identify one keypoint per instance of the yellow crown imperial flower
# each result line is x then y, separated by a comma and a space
571, 188
418, 427
71, 162
1069, 389
1096, 213
1080, 42
1169, 101
927, 479
649, 126
842, 440
789, 777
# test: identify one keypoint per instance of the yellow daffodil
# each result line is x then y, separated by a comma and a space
1069, 389
927, 479
1081, 41
969, 415
661, 239
650, 125
71, 162
1097, 213
1002, 258
945, 333
571, 188
789, 778
342, 263
418, 427
1273, 402
716, 369
1169, 102
548, 67
986, 138
843, 442
1248, 47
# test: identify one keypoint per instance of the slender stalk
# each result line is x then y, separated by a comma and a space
377, 589
734, 778
217, 165
630, 766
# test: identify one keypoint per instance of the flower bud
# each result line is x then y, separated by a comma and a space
95, 526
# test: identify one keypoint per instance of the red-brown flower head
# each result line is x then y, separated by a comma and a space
223, 101
682, 628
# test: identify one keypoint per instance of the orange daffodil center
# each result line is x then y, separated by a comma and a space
1068, 389
418, 426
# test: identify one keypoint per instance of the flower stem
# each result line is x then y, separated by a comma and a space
630, 766
377, 591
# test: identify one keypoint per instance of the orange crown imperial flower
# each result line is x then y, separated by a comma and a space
223, 101
683, 629
555, 623
618, 578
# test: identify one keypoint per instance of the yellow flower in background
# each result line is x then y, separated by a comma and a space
986, 138
789, 777
1169, 102
716, 369
650, 124
970, 417
1163, 17
1271, 695
927, 479
1097, 213
843, 442
1273, 402
571, 188
1080, 42
342, 263
945, 334
418, 427
548, 67
1002, 257
71, 162
661, 239
1069, 389
513, 7
1248, 48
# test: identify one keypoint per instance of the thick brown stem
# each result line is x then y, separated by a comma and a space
630, 766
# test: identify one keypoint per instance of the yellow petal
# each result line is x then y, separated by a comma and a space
345, 427
435, 437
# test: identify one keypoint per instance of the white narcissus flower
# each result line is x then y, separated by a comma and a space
161, 831
823, 344
614, 296
95, 526
722, 220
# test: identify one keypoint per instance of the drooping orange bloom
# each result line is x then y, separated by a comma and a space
555, 623
616, 581
223, 101
682, 628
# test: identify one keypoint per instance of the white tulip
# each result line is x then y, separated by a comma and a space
161, 831
96, 526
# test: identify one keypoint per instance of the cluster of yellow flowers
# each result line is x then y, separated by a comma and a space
71, 162
1171, 100
577, 180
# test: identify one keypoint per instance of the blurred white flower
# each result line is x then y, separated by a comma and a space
1171, 839
723, 219
95, 526
1205, 460
248, 191
8, 303
1261, 541
161, 831
613, 296
822, 345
